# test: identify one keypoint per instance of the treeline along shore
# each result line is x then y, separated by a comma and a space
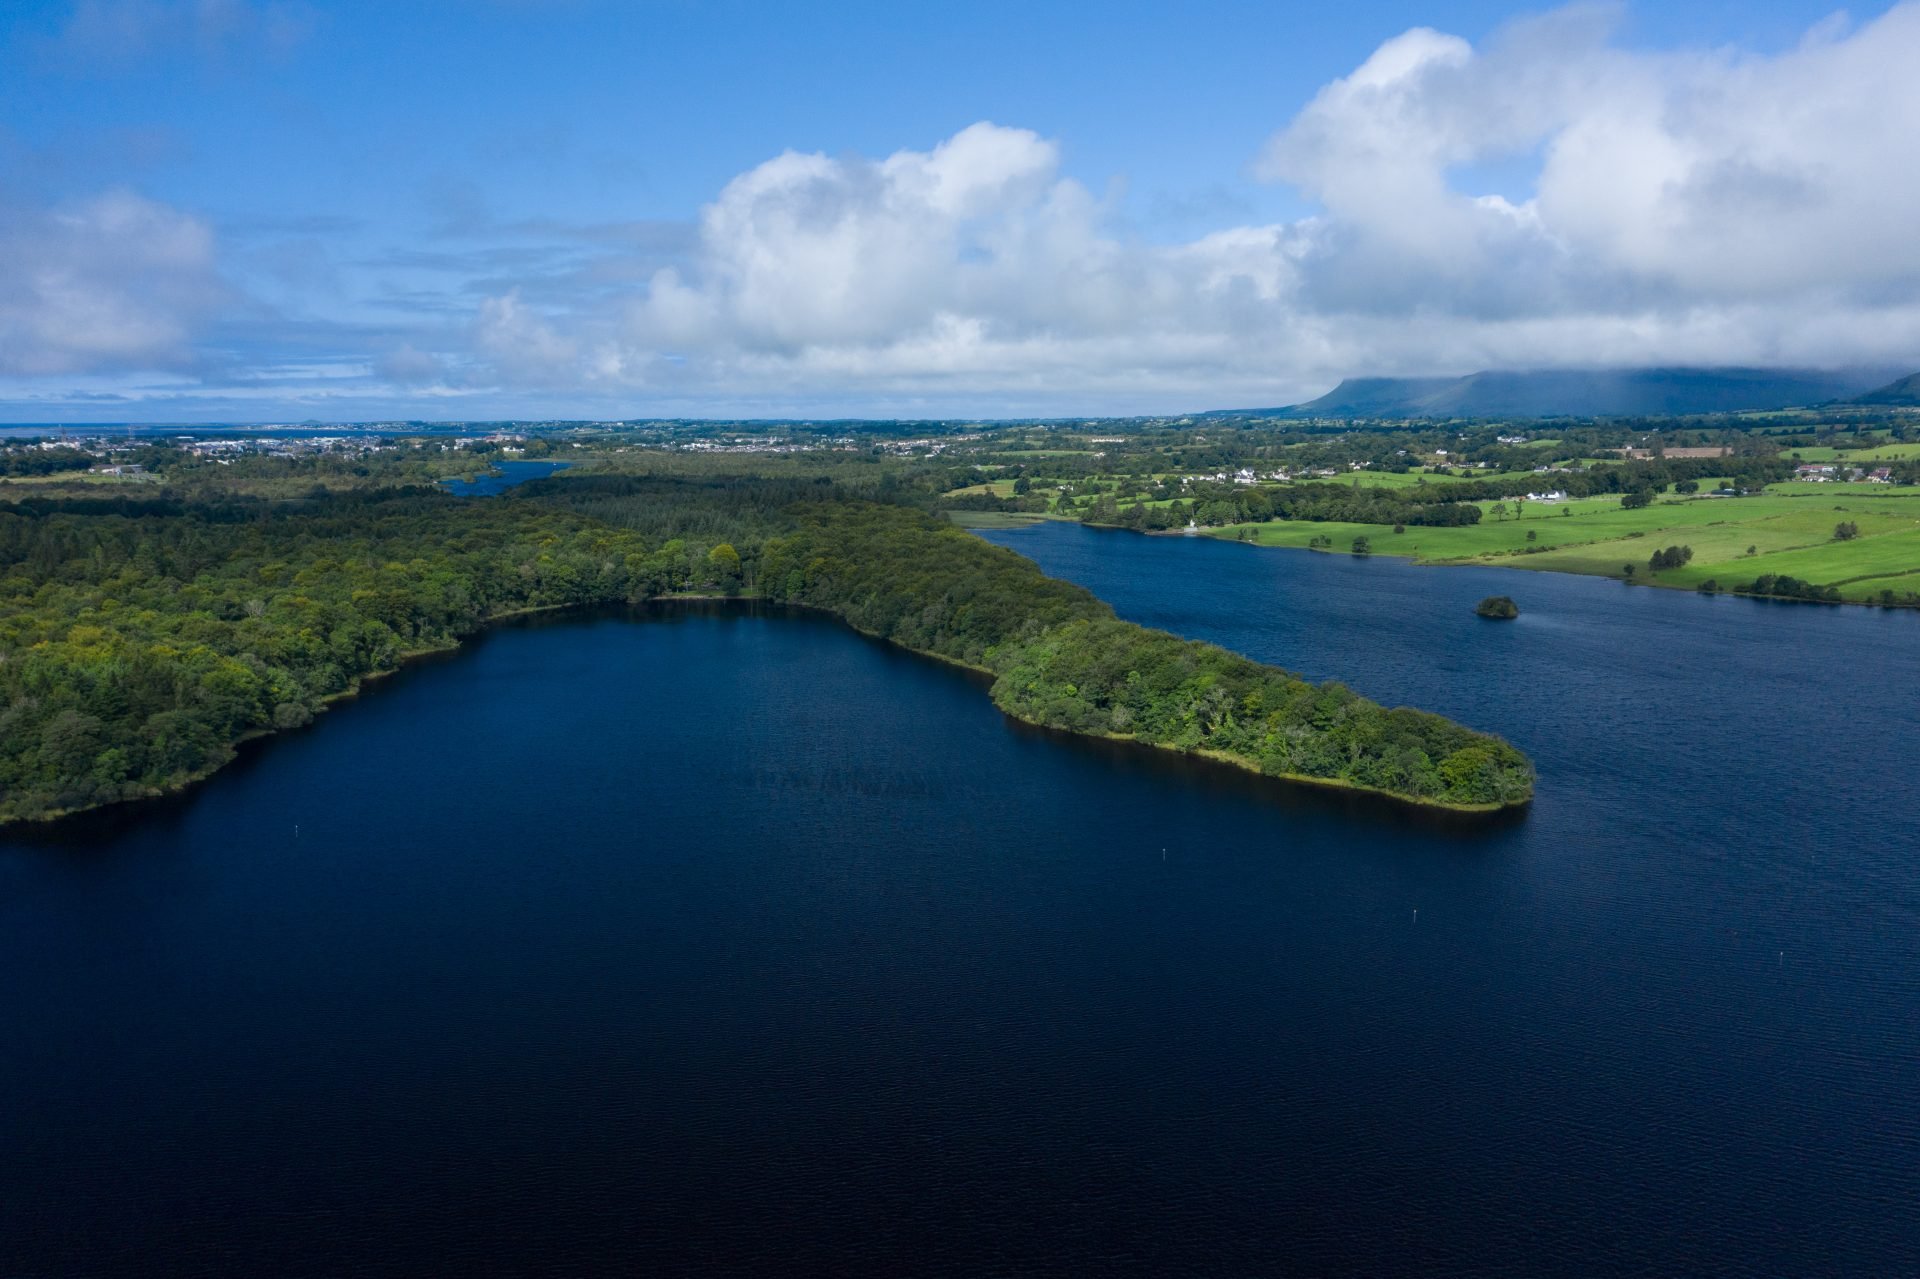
142, 639
1061, 659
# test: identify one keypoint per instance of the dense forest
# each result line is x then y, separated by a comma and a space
1217, 504
139, 643
142, 639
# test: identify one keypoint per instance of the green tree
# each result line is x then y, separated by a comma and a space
723, 562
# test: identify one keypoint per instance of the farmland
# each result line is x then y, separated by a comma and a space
1733, 540
1748, 503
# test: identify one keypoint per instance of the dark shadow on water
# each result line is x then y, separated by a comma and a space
1231, 784
84, 831
1214, 777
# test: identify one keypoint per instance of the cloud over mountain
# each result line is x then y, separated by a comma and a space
1698, 207
1549, 197
1663, 180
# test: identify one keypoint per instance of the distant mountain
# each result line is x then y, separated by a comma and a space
1904, 392
1585, 393
1374, 397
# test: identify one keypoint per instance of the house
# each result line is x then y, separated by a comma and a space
1880, 475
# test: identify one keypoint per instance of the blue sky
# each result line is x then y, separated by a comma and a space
262, 209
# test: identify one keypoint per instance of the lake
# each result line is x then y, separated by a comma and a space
505, 474
722, 939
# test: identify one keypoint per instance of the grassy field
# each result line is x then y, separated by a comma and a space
999, 488
993, 519
1395, 480
1866, 590
1885, 453
1377, 479
1847, 488
1734, 540
1844, 564
1879, 453
78, 477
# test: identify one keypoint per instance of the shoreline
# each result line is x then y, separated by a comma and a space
408, 658
1496, 563
46, 823
1238, 762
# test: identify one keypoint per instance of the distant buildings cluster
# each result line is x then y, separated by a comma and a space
1840, 472
225, 449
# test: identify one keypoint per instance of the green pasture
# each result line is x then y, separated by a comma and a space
999, 488
80, 477
1886, 453
1378, 479
1788, 535
1390, 479
993, 519
1868, 588
1879, 453
1871, 555
1832, 488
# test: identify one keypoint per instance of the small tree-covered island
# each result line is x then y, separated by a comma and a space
148, 629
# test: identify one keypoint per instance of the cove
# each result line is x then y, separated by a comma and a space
506, 474
730, 941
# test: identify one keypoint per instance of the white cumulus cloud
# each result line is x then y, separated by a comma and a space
1665, 182
973, 264
1549, 196
1656, 207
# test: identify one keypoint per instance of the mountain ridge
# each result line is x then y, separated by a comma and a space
1656, 391
1900, 392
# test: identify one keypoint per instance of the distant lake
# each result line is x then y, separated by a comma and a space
711, 940
507, 475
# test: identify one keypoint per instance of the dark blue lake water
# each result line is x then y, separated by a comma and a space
723, 941
506, 474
